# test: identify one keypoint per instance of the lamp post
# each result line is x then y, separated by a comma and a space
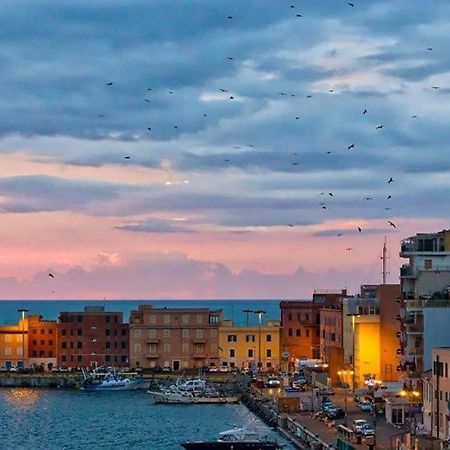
248, 311
410, 394
23, 311
260, 312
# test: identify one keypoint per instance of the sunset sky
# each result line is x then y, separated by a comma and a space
162, 185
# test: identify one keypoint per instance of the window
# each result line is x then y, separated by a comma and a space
79, 344
333, 337
137, 348
307, 333
152, 318
232, 338
42, 331
166, 319
185, 319
250, 353
115, 319
269, 353
108, 332
232, 353
428, 264
63, 332
50, 331
250, 338
41, 354
108, 344
299, 317
63, 344
166, 347
166, 333
107, 319
152, 333
290, 316
107, 358
152, 348
123, 345
323, 334
185, 333
34, 354
123, 332
213, 319
63, 358
268, 338
298, 332
213, 332
199, 318
80, 332
199, 333
306, 317
185, 347
290, 332
269, 365
34, 342
123, 358
50, 354
79, 319
50, 342
137, 333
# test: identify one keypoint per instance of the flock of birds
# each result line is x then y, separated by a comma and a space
229, 95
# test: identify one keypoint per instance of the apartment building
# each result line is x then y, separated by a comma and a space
92, 337
425, 305
179, 338
14, 344
42, 342
250, 346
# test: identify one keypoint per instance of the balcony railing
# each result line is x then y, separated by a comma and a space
428, 303
199, 356
198, 340
152, 341
152, 355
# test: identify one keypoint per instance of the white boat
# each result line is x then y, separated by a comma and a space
111, 381
173, 396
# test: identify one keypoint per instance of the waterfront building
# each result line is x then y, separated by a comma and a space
92, 337
300, 321
177, 338
42, 342
250, 346
436, 394
425, 312
14, 344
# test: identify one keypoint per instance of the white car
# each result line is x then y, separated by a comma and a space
273, 382
213, 369
358, 425
365, 406
368, 430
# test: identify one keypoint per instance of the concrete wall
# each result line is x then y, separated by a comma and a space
436, 331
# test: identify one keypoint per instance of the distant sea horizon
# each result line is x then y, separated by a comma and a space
233, 309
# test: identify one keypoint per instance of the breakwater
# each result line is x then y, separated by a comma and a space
40, 380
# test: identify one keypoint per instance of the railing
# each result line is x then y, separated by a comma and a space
306, 437
428, 303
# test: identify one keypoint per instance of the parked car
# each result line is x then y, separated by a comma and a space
335, 413
358, 425
224, 369
368, 430
213, 369
297, 385
300, 380
273, 382
166, 369
365, 405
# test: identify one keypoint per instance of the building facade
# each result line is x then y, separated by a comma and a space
42, 342
250, 346
93, 337
177, 338
425, 286
14, 345
436, 395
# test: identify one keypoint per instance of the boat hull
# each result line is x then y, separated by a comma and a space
130, 386
230, 445
191, 400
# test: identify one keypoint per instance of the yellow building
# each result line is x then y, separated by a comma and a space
248, 346
367, 348
14, 344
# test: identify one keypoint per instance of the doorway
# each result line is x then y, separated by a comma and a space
176, 365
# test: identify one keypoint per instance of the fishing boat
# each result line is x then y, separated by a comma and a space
111, 381
235, 439
174, 395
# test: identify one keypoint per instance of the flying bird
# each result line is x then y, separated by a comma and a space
297, 118
359, 229
429, 49
351, 4
324, 207
330, 90
368, 198
295, 163
230, 58
231, 97
414, 116
389, 197
149, 129
387, 209
222, 90
229, 17
110, 83
227, 160
147, 100
364, 112
434, 87
308, 96
127, 157
328, 152
349, 248
51, 275
392, 224
391, 180
330, 194
299, 15
290, 225
351, 146
379, 127
101, 116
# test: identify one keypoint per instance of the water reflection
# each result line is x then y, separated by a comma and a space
21, 399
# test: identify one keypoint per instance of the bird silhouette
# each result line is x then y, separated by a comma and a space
290, 225
349, 248
351, 146
368, 198
429, 49
364, 112
110, 83
330, 194
297, 118
127, 157
392, 224
391, 180
229, 17
149, 129
222, 90
389, 197
324, 207
414, 116
230, 58
231, 97
295, 163
379, 127
308, 96
299, 15
51, 275
147, 100
351, 4
434, 87
359, 229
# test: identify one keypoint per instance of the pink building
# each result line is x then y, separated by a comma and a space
179, 338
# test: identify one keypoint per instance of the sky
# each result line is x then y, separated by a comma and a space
218, 149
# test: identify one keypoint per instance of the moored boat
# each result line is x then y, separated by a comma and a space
235, 439
111, 381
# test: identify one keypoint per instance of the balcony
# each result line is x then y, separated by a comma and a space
198, 340
152, 341
152, 355
199, 356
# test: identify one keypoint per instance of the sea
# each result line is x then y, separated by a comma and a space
50, 309
35, 419
57, 419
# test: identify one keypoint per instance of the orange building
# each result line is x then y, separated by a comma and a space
14, 344
42, 342
178, 338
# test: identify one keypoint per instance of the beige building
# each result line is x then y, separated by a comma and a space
248, 346
436, 394
14, 344
179, 338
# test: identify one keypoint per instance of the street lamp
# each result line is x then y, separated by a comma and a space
410, 394
260, 312
23, 311
248, 311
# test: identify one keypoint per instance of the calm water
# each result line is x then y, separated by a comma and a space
50, 309
64, 419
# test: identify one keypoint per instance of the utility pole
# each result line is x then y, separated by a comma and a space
384, 258
23, 311
260, 313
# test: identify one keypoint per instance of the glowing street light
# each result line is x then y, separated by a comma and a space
23, 311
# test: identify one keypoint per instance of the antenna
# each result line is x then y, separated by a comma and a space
384, 258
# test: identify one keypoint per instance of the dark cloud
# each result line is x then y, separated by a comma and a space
154, 226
